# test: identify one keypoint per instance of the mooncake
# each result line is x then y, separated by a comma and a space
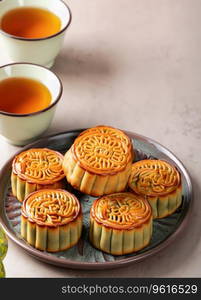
36, 169
120, 223
51, 220
99, 161
160, 183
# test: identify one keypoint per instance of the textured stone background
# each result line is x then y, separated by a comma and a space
136, 65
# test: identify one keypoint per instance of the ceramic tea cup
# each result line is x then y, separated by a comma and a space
41, 51
21, 129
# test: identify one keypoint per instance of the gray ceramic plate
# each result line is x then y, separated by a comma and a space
83, 255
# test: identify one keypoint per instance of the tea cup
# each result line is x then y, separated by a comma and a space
21, 129
41, 51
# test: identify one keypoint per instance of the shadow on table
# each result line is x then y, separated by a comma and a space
88, 76
83, 62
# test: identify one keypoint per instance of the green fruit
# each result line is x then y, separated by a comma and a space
3, 244
2, 270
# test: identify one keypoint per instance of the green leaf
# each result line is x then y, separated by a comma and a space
3, 244
2, 270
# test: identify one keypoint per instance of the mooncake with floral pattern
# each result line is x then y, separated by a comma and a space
36, 169
120, 223
160, 183
51, 220
99, 161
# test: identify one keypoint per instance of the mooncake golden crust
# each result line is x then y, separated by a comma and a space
51, 220
103, 150
160, 183
39, 165
121, 211
99, 161
51, 207
36, 169
120, 223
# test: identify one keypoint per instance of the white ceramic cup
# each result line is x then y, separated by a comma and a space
21, 129
41, 51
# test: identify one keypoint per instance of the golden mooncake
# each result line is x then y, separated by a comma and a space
160, 183
36, 169
99, 161
51, 220
120, 223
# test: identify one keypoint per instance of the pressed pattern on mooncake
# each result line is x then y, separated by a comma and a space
99, 161
160, 183
51, 220
36, 169
120, 223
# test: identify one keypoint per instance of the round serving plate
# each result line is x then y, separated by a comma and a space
83, 255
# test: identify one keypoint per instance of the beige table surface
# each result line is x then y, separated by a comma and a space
136, 65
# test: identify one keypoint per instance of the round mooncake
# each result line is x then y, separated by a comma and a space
51, 220
36, 169
160, 183
120, 223
99, 161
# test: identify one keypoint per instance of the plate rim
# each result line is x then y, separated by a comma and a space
66, 263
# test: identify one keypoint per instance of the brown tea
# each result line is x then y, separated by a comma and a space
30, 22
23, 95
